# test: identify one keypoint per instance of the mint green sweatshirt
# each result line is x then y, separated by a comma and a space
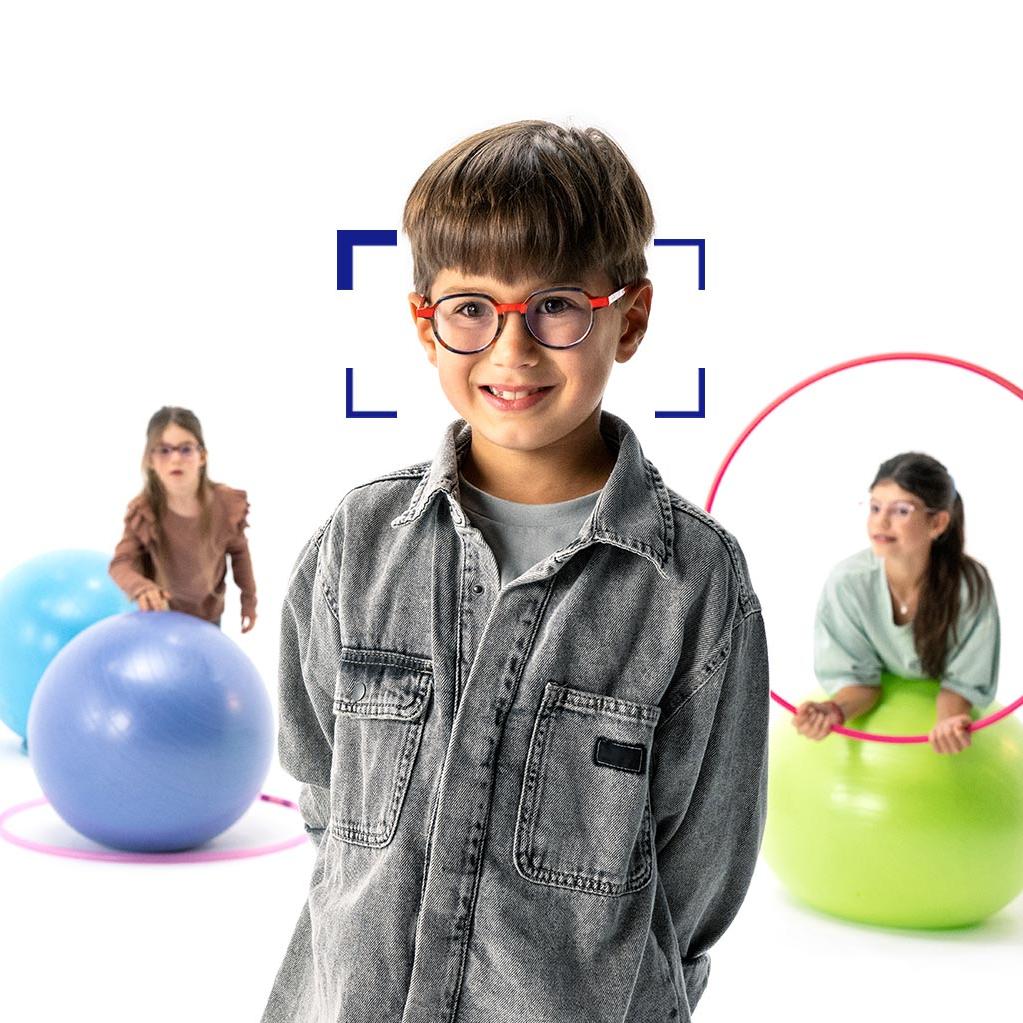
855, 636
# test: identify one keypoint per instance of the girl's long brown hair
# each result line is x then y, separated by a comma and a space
934, 625
153, 488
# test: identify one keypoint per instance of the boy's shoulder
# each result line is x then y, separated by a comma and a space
705, 553
385, 496
704, 556
384, 492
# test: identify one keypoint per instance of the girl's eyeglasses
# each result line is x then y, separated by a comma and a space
895, 509
164, 451
471, 322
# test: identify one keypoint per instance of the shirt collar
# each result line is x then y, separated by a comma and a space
633, 510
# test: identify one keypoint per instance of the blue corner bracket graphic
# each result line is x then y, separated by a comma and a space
697, 413
346, 242
352, 413
700, 244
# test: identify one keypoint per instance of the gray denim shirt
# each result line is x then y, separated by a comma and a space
537, 804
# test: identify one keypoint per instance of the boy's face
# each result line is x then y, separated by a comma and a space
575, 377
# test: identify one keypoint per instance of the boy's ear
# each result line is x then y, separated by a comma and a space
424, 330
635, 310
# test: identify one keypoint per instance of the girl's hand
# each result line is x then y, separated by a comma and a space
248, 620
154, 599
951, 734
815, 720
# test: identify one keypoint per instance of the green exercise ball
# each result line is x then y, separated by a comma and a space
897, 834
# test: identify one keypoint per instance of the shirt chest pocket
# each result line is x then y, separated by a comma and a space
584, 814
380, 708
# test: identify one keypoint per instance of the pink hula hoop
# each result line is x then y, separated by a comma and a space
189, 856
865, 360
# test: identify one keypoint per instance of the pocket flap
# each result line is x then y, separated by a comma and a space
382, 684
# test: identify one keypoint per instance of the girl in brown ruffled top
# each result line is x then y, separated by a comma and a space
179, 529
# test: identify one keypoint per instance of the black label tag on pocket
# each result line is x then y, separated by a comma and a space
620, 755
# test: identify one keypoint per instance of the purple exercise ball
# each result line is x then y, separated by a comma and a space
151, 732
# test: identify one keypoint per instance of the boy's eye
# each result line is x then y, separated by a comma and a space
472, 310
555, 305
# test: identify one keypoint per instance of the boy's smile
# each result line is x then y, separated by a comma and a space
537, 439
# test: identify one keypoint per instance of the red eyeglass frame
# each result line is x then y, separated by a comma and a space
596, 302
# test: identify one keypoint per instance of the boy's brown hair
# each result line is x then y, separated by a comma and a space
530, 198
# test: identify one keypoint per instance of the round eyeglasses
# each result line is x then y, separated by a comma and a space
895, 509
470, 322
164, 451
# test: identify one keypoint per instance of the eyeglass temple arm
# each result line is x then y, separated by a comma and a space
599, 303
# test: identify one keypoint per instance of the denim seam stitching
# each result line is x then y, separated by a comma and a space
540, 607
709, 677
712, 666
746, 594
598, 882
595, 884
664, 504
384, 710
377, 835
462, 573
577, 699
386, 658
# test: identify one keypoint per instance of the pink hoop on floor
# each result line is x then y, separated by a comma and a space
865, 360
188, 856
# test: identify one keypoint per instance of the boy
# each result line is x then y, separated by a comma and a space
525, 684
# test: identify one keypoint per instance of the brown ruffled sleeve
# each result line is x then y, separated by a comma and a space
238, 547
128, 563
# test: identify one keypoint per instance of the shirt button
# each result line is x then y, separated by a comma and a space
353, 691
477, 588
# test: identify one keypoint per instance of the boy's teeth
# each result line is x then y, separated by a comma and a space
511, 395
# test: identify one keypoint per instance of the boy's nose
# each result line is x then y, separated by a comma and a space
515, 344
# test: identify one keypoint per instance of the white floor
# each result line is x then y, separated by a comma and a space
89, 940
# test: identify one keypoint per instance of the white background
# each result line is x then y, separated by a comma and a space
172, 180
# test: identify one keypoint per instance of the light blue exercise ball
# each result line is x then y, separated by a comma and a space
44, 603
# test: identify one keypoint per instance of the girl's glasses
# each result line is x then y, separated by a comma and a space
894, 509
470, 322
164, 451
